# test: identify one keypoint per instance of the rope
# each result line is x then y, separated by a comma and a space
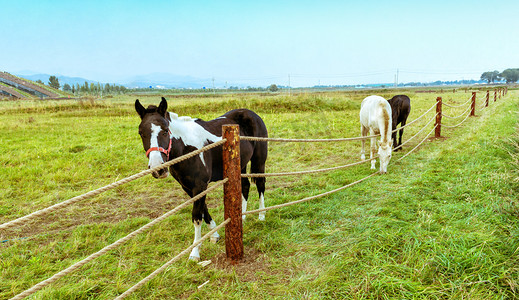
418, 144
461, 115
107, 187
432, 119
455, 106
309, 198
174, 259
263, 139
114, 245
410, 123
256, 175
453, 126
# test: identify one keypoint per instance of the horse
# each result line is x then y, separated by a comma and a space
375, 118
400, 106
166, 136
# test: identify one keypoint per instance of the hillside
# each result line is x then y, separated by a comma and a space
16, 87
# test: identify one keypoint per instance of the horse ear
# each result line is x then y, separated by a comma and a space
163, 107
140, 109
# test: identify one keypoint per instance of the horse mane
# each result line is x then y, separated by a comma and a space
385, 115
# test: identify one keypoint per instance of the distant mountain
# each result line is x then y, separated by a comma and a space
155, 80
167, 80
62, 79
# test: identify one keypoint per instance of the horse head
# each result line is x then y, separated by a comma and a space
384, 154
155, 135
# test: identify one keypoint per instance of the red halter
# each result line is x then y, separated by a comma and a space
160, 149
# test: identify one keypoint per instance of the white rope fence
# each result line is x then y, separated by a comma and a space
456, 106
170, 262
114, 245
459, 116
93, 193
308, 198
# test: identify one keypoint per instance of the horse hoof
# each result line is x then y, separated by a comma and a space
215, 240
243, 217
194, 258
261, 217
363, 157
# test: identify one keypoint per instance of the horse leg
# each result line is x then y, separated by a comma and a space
258, 167
197, 216
364, 132
245, 186
199, 213
401, 133
260, 184
373, 151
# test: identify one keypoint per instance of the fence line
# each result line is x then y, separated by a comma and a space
461, 115
453, 126
264, 139
171, 261
107, 187
417, 145
309, 198
256, 175
114, 245
456, 106
420, 131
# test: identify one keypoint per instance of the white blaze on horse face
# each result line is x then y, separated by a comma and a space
155, 157
191, 133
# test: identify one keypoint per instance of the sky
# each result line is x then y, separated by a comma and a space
301, 43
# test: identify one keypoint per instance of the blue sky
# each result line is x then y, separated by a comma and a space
261, 42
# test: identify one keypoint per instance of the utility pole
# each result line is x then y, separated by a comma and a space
288, 84
214, 92
397, 71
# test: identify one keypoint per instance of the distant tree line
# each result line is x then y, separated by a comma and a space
508, 75
87, 88
95, 89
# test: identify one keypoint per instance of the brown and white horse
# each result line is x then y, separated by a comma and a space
166, 136
375, 118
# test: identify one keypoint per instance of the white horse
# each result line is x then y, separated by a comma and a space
375, 118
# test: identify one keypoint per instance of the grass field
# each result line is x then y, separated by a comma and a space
442, 224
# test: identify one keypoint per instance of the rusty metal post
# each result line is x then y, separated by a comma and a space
232, 193
488, 97
473, 105
495, 95
438, 124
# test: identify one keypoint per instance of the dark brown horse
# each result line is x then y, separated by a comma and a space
166, 136
400, 107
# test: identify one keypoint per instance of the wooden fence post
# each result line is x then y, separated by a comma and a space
495, 95
473, 105
488, 97
438, 124
232, 193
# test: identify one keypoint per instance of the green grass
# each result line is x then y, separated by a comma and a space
441, 225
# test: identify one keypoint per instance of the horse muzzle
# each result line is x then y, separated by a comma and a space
160, 174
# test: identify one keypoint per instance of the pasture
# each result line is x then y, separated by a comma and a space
442, 224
